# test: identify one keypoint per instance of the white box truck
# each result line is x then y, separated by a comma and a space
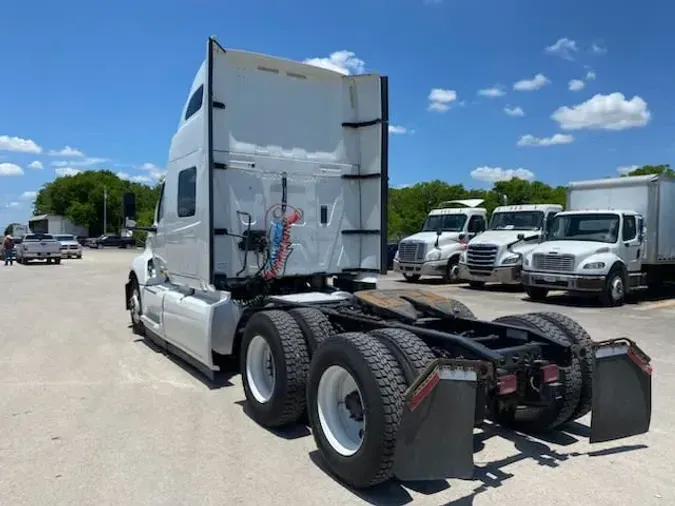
276, 184
434, 251
617, 235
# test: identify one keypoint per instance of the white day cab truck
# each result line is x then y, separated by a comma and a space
616, 236
435, 250
495, 256
276, 184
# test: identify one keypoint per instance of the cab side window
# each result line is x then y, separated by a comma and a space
160, 205
187, 192
195, 102
629, 228
476, 224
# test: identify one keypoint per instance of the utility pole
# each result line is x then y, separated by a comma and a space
105, 209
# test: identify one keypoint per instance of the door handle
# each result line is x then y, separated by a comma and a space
638, 254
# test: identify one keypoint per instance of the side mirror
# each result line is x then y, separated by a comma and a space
129, 223
461, 236
439, 231
129, 211
520, 237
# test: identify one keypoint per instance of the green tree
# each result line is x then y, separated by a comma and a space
80, 199
652, 169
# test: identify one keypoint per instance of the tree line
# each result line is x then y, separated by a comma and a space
80, 199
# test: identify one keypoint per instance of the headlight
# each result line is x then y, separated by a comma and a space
462, 257
434, 255
526, 261
396, 255
595, 265
511, 260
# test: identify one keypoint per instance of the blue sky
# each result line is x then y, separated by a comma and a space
103, 82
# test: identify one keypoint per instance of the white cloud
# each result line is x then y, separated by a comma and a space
86, 162
134, 179
537, 82
494, 174
153, 171
532, 141
66, 171
36, 165
10, 169
67, 151
597, 49
564, 48
494, 92
18, 144
576, 85
604, 112
29, 195
344, 62
626, 169
440, 99
397, 129
514, 111
590, 75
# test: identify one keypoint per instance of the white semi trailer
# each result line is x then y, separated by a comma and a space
276, 184
617, 235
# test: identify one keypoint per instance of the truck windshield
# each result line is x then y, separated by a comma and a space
585, 227
445, 222
517, 220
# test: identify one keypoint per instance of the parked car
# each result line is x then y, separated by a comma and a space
38, 247
110, 241
70, 248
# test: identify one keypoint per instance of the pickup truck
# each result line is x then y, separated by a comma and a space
38, 247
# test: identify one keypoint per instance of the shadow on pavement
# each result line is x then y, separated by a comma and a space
636, 298
221, 379
489, 475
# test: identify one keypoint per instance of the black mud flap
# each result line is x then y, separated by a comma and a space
622, 391
435, 439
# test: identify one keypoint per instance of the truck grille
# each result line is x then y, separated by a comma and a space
412, 251
560, 263
481, 256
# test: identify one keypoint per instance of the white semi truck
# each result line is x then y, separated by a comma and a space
616, 236
495, 256
435, 250
276, 184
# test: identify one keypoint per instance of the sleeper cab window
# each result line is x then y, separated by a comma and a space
195, 102
187, 192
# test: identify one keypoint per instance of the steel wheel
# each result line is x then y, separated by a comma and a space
260, 369
341, 413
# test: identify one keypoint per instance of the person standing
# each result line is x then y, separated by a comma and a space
8, 246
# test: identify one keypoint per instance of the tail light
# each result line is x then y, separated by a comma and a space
507, 384
550, 373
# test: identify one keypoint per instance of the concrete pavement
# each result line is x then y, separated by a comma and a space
91, 415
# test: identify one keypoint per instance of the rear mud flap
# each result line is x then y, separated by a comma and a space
435, 439
622, 391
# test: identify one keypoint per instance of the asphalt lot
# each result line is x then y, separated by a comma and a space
90, 415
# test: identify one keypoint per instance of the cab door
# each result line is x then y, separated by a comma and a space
632, 242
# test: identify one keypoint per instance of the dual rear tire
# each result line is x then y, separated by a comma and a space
351, 386
577, 377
